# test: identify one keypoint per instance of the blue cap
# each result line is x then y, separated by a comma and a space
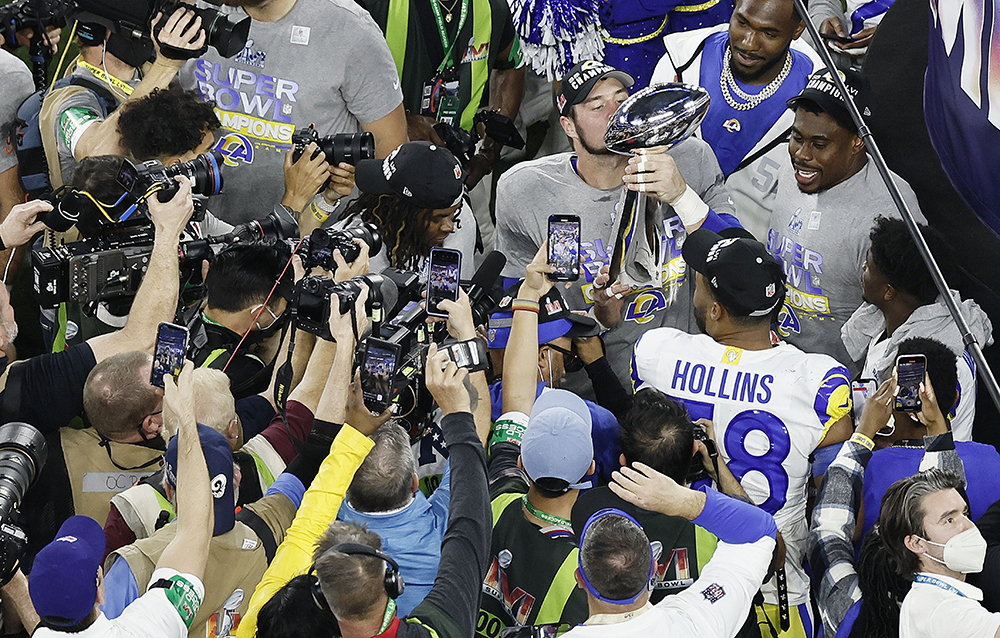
63, 579
557, 448
219, 458
555, 319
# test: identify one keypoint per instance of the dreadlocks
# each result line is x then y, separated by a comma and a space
882, 590
403, 226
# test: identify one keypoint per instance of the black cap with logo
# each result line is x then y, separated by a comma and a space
422, 173
822, 91
738, 267
577, 84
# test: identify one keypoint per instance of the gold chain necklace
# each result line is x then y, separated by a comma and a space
447, 10
728, 83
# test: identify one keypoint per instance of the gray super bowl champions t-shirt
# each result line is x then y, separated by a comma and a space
325, 62
822, 241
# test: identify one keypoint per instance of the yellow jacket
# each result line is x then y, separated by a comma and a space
319, 507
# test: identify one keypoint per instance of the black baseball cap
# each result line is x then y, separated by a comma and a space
422, 173
822, 91
738, 267
577, 84
555, 319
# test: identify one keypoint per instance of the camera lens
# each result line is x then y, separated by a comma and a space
227, 38
350, 148
204, 171
22, 455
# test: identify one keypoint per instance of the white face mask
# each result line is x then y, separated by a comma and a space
964, 552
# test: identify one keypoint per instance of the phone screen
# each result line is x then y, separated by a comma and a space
564, 247
442, 278
377, 374
909, 375
168, 356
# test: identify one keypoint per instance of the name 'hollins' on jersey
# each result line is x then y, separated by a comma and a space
735, 385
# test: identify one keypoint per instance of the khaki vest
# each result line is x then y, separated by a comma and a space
236, 563
92, 475
140, 505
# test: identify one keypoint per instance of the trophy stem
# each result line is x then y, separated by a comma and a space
630, 205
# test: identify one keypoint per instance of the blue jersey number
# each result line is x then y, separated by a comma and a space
741, 460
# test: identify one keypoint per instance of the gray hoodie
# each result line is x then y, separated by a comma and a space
933, 321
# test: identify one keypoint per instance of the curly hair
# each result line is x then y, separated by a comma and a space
165, 123
403, 226
896, 257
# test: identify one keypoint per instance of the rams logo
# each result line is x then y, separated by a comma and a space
732, 125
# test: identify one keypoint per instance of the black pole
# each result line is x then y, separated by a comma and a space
983, 369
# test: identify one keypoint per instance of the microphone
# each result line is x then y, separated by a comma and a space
481, 286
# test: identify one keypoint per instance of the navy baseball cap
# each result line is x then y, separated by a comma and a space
555, 319
63, 579
576, 85
421, 173
738, 267
219, 458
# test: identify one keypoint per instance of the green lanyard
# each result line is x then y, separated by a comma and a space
448, 62
390, 613
551, 519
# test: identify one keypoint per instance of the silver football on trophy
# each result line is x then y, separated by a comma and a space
659, 115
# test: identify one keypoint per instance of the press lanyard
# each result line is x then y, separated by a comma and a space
447, 62
121, 85
930, 580
544, 516
390, 613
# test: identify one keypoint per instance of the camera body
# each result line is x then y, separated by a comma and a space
204, 171
348, 148
697, 470
132, 20
312, 300
318, 249
23, 14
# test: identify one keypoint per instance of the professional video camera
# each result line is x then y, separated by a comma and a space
112, 265
138, 181
346, 148
462, 143
132, 19
317, 249
22, 456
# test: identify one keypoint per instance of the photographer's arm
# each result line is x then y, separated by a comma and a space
462, 327
520, 378
156, 299
389, 131
310, 389
182, 31
188, 551
16, 596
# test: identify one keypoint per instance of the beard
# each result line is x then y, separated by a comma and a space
699, 320
245, 3
592, 148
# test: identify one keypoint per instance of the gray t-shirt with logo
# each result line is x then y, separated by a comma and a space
325, 62
531, 191
15, 78
822, 241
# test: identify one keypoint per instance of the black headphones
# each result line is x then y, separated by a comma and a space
393, 580
91, 33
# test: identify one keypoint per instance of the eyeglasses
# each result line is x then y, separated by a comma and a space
274, 317
571, 359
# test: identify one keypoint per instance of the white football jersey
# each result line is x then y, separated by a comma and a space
771, 408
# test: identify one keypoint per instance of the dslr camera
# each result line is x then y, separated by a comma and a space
347, 148
318, 248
